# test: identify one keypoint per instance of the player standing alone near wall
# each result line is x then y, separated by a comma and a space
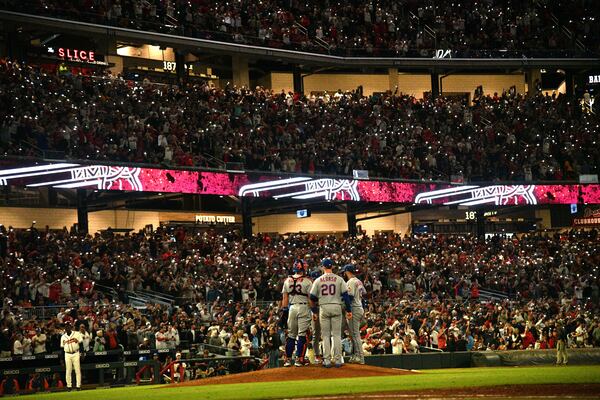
356, 291
70, 341
296, 289
330, 291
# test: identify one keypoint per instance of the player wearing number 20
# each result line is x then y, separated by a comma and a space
330, 291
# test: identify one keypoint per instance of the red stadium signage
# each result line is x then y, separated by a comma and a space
590, 218
298, 187
77, 55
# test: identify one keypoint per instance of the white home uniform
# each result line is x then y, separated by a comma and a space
329, 289
356, 290
70, 344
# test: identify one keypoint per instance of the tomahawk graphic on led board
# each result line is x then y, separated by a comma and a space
63, 175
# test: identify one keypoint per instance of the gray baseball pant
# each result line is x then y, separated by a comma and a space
331, 327
354, 328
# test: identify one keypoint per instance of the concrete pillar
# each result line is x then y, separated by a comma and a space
117, 68
246, 217
298, 80
435, 85
239, 66
82, 211
392, 79
569, 83
180, 66
480, 223
534, 80
351, 219
544, 218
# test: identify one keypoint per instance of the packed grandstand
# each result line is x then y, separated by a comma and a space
472, 28
423, 292
215, 290
505, 136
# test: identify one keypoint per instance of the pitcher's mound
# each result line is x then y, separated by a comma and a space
298, 374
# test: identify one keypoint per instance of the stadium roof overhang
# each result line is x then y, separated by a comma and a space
290, 56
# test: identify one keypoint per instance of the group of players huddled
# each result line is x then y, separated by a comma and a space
313, 306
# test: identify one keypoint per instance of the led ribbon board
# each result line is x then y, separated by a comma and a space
132, 178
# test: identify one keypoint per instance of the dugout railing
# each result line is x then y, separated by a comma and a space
116, 367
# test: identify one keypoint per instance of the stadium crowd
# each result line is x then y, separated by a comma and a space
506, 136
470, 28
421, 290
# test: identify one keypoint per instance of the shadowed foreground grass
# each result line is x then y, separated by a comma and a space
429, 379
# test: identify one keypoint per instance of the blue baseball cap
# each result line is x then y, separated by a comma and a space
349, 268
327, 263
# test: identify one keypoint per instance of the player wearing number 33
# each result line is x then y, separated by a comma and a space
295, 304
330, 291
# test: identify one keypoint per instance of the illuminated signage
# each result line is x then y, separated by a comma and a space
74, 54
590, 217
499, 195
172, 66
586, 221
215, 219
305, 188
594, 79
441, 53
303, 213
192, 181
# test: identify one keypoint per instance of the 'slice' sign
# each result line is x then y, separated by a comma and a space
75, 54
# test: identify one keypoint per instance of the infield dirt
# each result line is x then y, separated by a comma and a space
299, 374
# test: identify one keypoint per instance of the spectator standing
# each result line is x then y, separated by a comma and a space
397, 344
161, 339
561, 345
274, 342
39, 342
86, 338
245, 345
99, 341
18, 345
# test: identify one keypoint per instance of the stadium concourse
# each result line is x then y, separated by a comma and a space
505, 137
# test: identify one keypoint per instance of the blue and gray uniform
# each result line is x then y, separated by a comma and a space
298, 288
316, 325
356, 291
330, 291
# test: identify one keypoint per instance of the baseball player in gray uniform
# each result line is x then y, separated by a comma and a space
316, 328
356, 291
330, 291
296, 289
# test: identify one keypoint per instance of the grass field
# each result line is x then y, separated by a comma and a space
428, 379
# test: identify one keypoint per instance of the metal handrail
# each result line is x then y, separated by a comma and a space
220, 164
283, 173
39, 312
